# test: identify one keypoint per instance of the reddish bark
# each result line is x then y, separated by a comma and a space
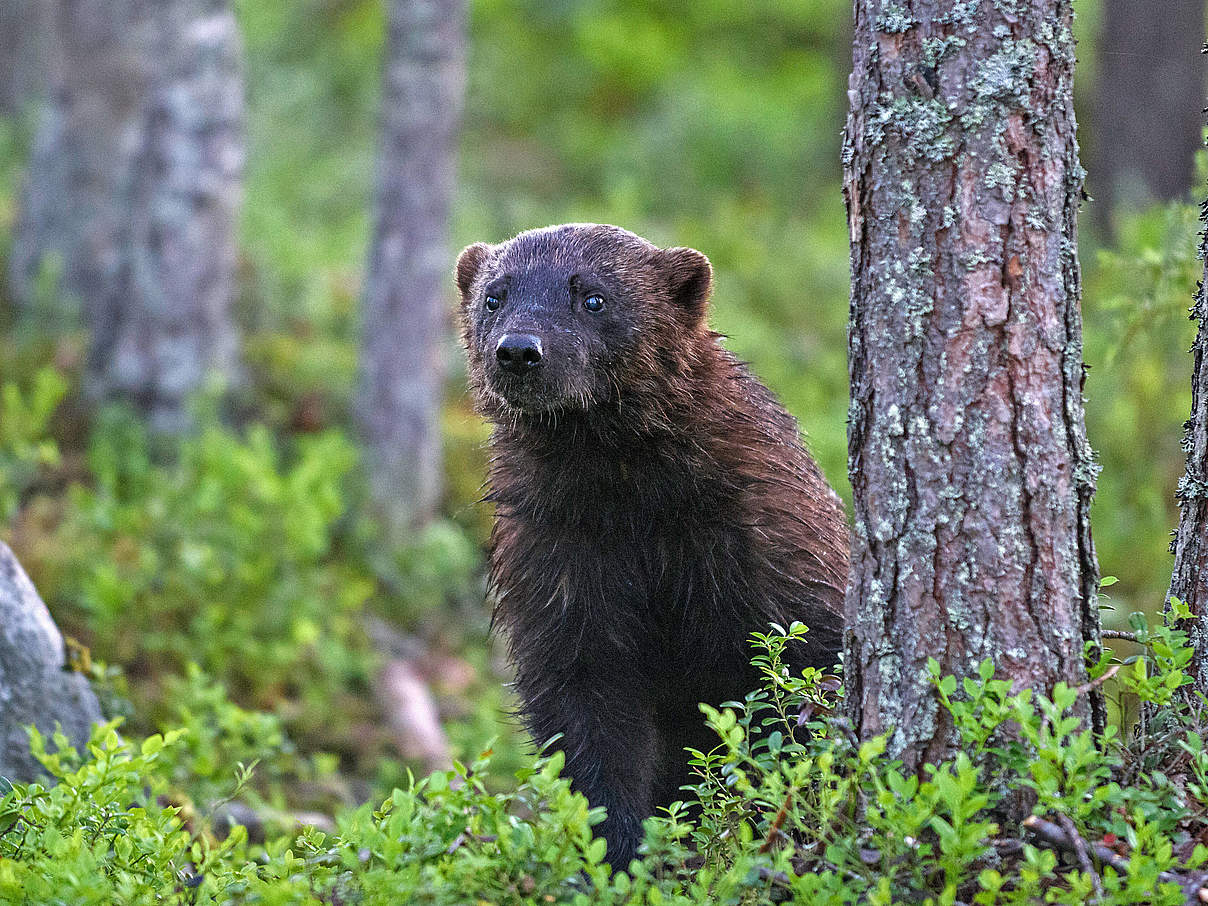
970, 469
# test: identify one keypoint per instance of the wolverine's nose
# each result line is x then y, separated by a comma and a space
518, 352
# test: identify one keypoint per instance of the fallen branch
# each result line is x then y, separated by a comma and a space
405, 699
1053, 835
1084, 858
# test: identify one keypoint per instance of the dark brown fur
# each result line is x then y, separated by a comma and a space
655, 507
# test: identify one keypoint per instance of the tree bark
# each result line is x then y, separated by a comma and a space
406, 300
1149, 95
1189, 582
133, 195
970, 469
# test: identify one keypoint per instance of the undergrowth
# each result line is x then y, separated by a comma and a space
788, 806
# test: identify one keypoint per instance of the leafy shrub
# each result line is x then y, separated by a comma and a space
223, 557
25, 442
777, 814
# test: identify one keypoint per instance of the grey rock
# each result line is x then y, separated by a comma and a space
35, 686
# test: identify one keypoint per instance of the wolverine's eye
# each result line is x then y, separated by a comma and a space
594, 303
492, 303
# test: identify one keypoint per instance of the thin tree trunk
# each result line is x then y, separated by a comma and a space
406, 300
970, 469
65, 249
1149, 95
166, 325
1189, 583
24, 54
133, 195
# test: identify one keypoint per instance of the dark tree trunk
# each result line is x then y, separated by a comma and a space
407, 295
133, 195
970, 469
1149, 95
1190, 580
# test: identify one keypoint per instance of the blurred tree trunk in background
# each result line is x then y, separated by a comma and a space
970, 469
132, 197
1150, 92
407, 294
24, 54
1189, 582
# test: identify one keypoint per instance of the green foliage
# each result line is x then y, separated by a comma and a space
96, 835
25, 442
1138, 393
787, 806
693, 123
223, 557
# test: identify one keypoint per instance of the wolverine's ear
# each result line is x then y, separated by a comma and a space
690, 277
469, 263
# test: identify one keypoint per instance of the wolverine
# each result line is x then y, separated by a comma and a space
654, 507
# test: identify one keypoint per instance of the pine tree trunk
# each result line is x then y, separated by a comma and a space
970, 469
407, 295
133, 195
1149, 95
1189, 583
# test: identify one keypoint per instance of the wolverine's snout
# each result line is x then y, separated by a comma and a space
518, 353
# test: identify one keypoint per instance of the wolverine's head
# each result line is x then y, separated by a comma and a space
567, 316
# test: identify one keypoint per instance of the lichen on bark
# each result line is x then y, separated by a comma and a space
1189, 580
970, 468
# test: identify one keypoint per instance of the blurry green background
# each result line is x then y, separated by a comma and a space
711, 124
702, 123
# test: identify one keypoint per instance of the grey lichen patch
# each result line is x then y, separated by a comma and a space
1037, 218
1191, 489
975, 258
918, 262
1008, 9
961, 13
893, 421
894, 19
1002, 79
919, 125
1004, 176
936, 50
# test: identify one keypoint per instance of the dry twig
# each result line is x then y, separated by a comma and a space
1099, 681
777, 823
